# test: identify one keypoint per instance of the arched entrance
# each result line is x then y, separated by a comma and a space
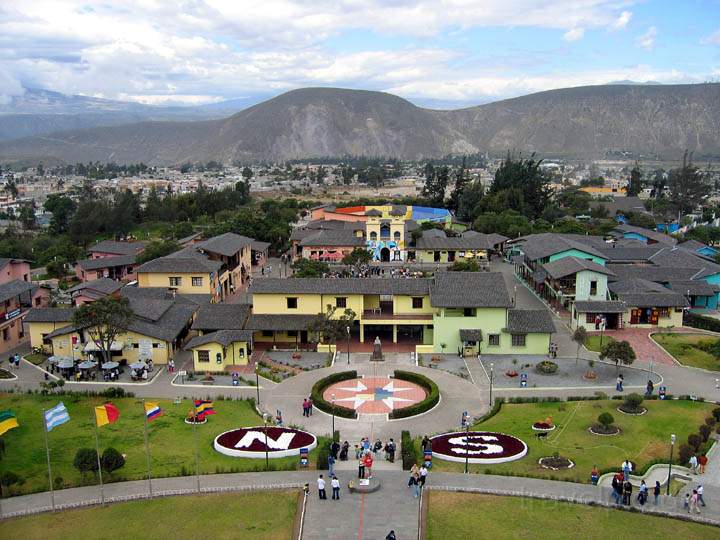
385, 255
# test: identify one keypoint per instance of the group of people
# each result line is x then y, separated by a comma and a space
418, 476
14, 360
334, 484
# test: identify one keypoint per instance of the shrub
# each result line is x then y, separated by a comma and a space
58, 482
111, 460
8, 478
322, 456
632, 403
319, 387
685, 453
408, 451
606, 419
85, 461
546, 367
705, 431
710, 421
694, 440
700, 321
716, 413
432, 398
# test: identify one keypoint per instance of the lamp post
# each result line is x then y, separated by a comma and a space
514, 295
332, 400
348, 344
267, 457
467, 444
672, 445
492, 365
257, 383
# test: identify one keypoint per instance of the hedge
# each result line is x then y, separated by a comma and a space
319, 387
701, 321
408, 451
432, 398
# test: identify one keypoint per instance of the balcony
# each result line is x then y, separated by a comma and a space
387, 314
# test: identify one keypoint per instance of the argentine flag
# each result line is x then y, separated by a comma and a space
56, 416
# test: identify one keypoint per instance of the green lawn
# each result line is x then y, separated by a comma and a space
643, 438
36, 359
472, 515
683, 347
593, 342
172, 444
250, 516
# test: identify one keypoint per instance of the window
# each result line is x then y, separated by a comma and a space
664, 312
203, 356
292, 333
291, 302
590, 318
197, 282
341, 302
518, 340
175, 281
396, 236
417, 302
468, 312
493, 340
267, 333
593, 288
38, 301
373, 236
6, 334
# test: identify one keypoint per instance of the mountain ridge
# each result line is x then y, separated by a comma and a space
586, 122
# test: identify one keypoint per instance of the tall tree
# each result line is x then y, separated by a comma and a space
103, 320
247, 173
470, 199
436, 181
688, 187
635, 185
62, 209
27, 215
618, 351
462, 178
526, 177
329, 327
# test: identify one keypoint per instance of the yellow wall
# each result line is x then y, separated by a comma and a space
37, 329
280, 337
239, 348
162, 279
160, 353
307, 304
428, 255
402, 305
675, 319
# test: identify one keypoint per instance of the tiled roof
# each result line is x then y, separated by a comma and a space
279, 322
644, 293
107, 262
223, 337
342, 237
14, 288
529, 321
604, 306
694, 287
259, 246
469, 289
651, 272
221, 317
471, 240
182, 265
539, 246
373, 213
470, 334
618, 253
419, 286
49, 315
647, 233
572, 265
679, 257
101, 285
119, 248
227, 244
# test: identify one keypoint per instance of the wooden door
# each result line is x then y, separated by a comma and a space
635, 316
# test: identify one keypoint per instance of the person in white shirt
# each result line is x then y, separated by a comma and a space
321, 488
335, 484
700, 490
423, 475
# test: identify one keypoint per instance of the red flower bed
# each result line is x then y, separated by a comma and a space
250, 442
481, 447
511, 373
543, 426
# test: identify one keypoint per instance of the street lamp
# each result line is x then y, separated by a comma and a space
514, 295
332, 400
348, 344
672, 445
267, 457
491, 380
257, 383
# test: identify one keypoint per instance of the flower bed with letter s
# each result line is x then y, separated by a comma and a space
480, 446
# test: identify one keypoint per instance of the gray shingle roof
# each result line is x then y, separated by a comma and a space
466, 241
101, 285
182, 265
49, 315
341, 237
398, 210
373, 213
644, 293
419, 286
539, 246
223, 337
629, 254
469, 289
279, 322
647, 233
107, 262
529, 321
61, 331
13, 288
696, 287
221, 317
572, 265
259, 246
227, 244
604, 306
118, 248
651, 272
470, 334
679, 257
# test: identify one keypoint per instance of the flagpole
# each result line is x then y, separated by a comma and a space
147, 449
197, 451
97, 453
47, 453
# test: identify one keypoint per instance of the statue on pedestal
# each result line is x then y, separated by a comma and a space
377, 350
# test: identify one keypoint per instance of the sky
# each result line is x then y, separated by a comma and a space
443, 52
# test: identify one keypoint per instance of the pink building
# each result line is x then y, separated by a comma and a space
90, 291
11, 269
17, 297
111, 248
121, 268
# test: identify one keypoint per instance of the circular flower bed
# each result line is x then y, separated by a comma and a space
479, 447
543, 426
511, 373
192, 422
250, 442
599, 429
556, 463
632, 412
546, 367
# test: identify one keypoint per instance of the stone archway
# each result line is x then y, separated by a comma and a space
385, 254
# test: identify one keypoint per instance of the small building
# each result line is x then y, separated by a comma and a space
112, 248
435, 246
17, 298
117, 268
646, 236
592, 315
89, 291
649, 304
222, 350
42, 321
259, 252
570, 279
14, 269
330, 245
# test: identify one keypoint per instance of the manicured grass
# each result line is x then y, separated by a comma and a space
172, 445
471, 515
683, 347
593, 342
642, 439
251, 516
36, 359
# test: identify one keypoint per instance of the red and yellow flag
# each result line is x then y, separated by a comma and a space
106, 414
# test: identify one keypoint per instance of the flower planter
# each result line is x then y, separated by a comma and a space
546, 367
556, 463
640, 412
192, 423
542, 426
592, 429
511, 373
480, 447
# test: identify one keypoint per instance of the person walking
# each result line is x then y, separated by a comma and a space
426, 444
321, 488
310, 406
414, 483
391, 536
305, 407
335, 485
694, 502
703, 461
686, 502
331, 465
616, 488
700, 490
656, 491
619, 383
642, 493
594, 475
377, 447
694, 463
344, 451
423, 475
391, 451
649, 388
627, 492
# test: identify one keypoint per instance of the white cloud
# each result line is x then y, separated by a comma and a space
574, 34
647, 40
712, 39
622, 21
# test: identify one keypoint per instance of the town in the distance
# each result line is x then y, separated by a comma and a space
359, 270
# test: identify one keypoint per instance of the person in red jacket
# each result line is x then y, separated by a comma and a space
368, 460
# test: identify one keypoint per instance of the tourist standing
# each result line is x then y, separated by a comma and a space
368, 464
619, 383
649, 388
594, 475
377, 447
334, 449
310, 406
656, 491
694, 502
627, 492
694, 463
305, 407
391, 536
426, 444
331, 465
423, 475
361, 466
626, 469
344, 451
391, 451
686, 502
702, 460
616, 488
414, 483
642, 493
700, 490
335, 485
321, 488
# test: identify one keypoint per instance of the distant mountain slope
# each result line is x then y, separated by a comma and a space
575, 122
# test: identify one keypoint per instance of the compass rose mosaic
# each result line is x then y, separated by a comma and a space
374, 395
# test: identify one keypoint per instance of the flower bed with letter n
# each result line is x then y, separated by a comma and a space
480, 447
251, 442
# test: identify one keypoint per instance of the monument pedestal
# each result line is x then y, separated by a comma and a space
368, 485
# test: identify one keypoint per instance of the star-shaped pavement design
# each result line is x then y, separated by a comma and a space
374, 395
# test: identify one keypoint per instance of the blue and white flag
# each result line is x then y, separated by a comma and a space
56, 416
